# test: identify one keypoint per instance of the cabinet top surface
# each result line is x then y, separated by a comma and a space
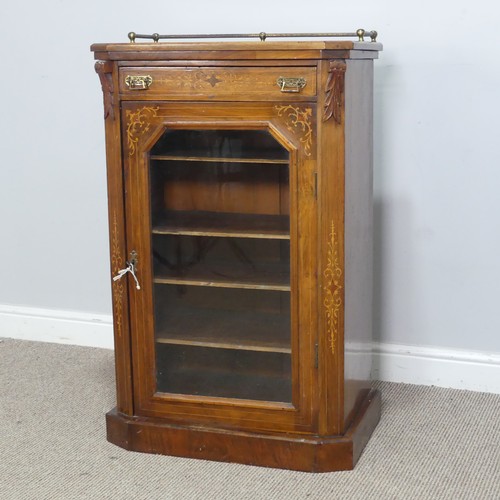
231, 50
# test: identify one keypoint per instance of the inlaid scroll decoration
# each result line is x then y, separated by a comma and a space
200, 79
332, 289
299, 123
116, 265
104, 70
138, 123
334, 91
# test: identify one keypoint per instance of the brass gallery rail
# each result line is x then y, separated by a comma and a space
360, 33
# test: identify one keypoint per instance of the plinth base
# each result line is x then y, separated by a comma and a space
284, 451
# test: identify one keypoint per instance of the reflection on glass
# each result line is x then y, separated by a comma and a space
221, 262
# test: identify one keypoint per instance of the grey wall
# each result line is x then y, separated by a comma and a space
436, 158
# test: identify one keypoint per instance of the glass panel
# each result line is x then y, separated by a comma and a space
221, 264
224, 373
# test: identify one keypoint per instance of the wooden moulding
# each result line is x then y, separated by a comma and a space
296, 50
284, 451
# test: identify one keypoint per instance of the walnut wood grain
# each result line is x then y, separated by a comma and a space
358, 234
331, 268
289, 451
213, 51
227, 83
312, 201
118, 253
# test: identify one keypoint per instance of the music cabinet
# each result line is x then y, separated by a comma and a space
240, 215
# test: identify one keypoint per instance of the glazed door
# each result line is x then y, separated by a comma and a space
220, 209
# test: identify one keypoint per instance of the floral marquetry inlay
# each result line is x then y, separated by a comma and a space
298, 121
332, 289
200, 79
138, 123
116, 265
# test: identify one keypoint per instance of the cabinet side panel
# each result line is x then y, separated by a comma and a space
358, 233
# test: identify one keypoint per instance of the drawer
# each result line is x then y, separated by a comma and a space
219, 83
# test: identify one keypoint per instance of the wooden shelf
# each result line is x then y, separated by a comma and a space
210, 159
183, 369
224, 225
227, 384
240, 330
268, 276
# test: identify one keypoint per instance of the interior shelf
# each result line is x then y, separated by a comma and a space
212, 159
268, 276
219, 145
198, 223
227, 384
241, 330
220, 213
224, 373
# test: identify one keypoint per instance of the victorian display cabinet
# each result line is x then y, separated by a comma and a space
240, 215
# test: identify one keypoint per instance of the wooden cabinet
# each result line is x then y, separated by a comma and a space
240, 208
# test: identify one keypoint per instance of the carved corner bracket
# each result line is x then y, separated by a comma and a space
334, 91
332, 289
104, 70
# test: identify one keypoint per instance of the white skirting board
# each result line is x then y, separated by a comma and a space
60, 327
438, 366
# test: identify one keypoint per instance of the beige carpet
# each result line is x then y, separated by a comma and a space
431, 443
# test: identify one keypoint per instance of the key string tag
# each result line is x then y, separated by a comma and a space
129, 269
121, 274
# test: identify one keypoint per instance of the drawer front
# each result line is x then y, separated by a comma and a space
219, 83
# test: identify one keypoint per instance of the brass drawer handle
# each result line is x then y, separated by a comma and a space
291, 84
138, 82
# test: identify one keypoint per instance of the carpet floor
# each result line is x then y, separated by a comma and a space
431, 443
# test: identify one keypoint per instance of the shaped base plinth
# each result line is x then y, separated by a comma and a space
284, 451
